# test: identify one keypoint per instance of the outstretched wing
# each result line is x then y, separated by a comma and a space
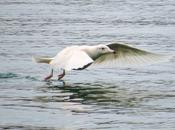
78, 60
127, 56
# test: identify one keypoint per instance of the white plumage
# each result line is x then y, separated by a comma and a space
115, 55
71, 58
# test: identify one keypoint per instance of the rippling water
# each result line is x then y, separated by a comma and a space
110, 99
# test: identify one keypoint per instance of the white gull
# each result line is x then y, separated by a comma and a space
116, 54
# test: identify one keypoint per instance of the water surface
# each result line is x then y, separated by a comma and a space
109, 99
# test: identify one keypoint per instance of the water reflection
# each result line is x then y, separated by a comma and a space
97, 94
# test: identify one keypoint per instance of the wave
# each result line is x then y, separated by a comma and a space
8, 75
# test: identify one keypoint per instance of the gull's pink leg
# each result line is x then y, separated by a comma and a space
61, 75
50, 76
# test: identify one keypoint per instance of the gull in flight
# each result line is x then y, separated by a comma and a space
115, 55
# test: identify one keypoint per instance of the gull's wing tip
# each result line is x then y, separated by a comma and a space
170, 57
167, 57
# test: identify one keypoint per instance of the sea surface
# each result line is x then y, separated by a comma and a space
99, 99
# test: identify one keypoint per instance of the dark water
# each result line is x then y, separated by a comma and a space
110, 99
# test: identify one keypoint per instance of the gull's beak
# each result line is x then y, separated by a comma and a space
111, 51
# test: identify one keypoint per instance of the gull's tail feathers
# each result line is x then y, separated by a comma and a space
46, 60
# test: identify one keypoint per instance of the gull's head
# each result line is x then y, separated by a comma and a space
103, 49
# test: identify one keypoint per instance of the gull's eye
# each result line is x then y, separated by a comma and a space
102, 48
